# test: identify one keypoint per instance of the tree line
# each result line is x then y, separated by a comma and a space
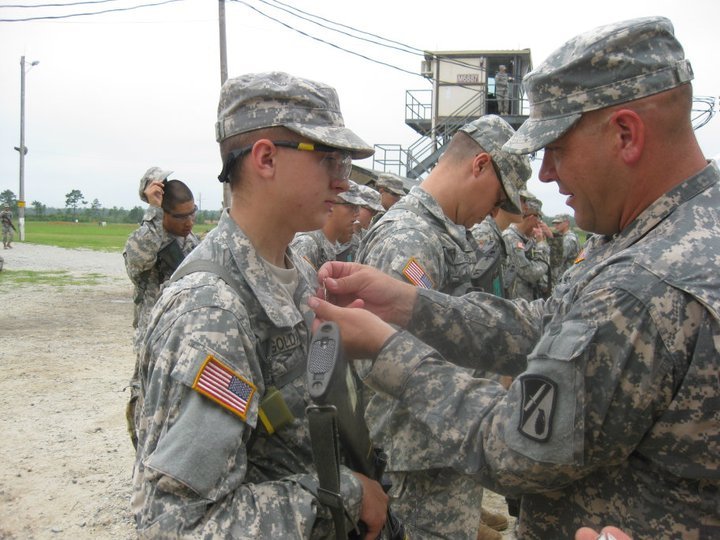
78, 209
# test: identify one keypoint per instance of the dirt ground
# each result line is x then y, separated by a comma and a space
65, 359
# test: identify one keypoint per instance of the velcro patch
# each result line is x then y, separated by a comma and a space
224, 386
416, 275
539, 395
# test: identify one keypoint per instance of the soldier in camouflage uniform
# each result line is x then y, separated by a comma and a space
368, 210
152, 253
334, 241
569, 246
224, 449
8, 229
528, 262
424, 240
615, 419
164, 238
391, 189
489, 273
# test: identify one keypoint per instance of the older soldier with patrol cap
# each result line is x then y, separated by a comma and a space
224, 447
424, 240
615, 420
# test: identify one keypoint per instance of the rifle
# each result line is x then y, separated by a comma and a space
7, 221
337, 427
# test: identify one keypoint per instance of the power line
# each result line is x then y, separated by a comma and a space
405, 48
413, 50
21, 6
324, 41
85, 14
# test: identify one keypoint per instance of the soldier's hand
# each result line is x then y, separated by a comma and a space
357, 285
373, 511
363, 333
154, 193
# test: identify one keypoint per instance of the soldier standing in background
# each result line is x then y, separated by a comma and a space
153, 252
391, 189
424, 240
164, 238
528, 263
615, 419
368, 210
334, 241
502, 82
8, 229
570, 245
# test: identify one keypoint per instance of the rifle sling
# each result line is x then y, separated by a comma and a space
322, 420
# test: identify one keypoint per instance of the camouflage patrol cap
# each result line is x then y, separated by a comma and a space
534, 206
263, 100
491, 132
371, 198
391, 182
151, 175
607, 66
352, 195
561, 218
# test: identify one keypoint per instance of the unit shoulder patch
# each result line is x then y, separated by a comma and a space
539, 396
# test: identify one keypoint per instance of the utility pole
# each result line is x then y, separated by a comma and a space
223, 78
22, 150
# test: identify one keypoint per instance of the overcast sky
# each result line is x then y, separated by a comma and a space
114, 94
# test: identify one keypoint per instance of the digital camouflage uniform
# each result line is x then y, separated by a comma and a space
8, 231
502, 80
207, 466
527, 265
616, 419
314, 247
417, 243
488, 275
571, 249
146, 269
203, 470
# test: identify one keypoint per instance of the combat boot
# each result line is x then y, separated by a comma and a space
495, 521
486, 533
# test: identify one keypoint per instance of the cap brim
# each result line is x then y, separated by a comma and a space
535, 134
337, 137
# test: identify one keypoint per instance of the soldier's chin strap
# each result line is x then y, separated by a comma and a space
324, 438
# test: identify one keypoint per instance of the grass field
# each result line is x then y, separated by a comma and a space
111, 238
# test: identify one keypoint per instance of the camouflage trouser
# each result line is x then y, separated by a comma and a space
7, 235
437, 504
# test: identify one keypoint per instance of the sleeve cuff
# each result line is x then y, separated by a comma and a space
401, 354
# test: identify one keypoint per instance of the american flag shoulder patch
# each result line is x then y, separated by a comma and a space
224, 386
416, 275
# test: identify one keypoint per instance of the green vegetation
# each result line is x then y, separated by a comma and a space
58, 278
111, 237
